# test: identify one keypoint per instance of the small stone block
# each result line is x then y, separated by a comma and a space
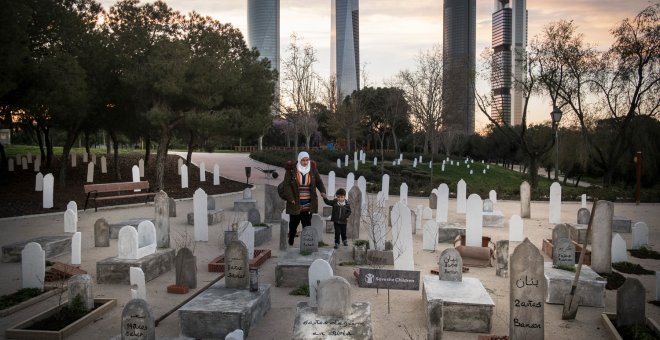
590, 290
547, 247
493, 219
311, 326
578, 232
262, 235
466, 305
114, 270
447, 232
53, 246
380, 257
292, 268
115, 227
213, 217
217, 265
174, 289
219, 311
329, 227
621, 224
245, 205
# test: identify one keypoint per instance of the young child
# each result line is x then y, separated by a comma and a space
340, 212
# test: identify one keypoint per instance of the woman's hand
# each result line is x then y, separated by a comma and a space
323, 195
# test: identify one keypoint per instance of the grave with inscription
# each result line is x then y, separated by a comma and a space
621, 224
210, 213
293, 267
447, 232
527, 289
137, 321
490, 217
245, 203
229, 305
273, 204
335, 317
454, 302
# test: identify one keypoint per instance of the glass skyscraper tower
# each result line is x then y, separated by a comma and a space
501, 63
458, 56
519, 50
264, 29
345, 46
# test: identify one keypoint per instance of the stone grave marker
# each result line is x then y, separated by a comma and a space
137, 280
104, 165
564, 252
70, 221
90, 172
172, 207
451, 265
488, 205
362, 185
28, 157
39, 182
101, 233
93, 157
10, 164
350, 181
179, 163
415, 163
601, 237
461, 202
584, 200
75, 249
210, 203
433, 200
185, 265
416, 218
127, 243
24, 163
355, 161
526, 293
334, 297
140, 169
254, 216
443, 203
162, 220
273, 204
19, 159
331, 184
631, 303
184, 176
200, 215
37, 164
525, 200
284, 230
47, 197
640, 236
135, 171
560, 231
318, 223
81, 285
492, 196
309, 240
237, 334
137, 321
353, 222
33, 266
386, 186
339, 162
202, 172
236, 266
427, 213
375, 161
146, 238
246, 235
555, 203
247, 194
74, 159
319, 271
430, 235
619, 252
345, 160
516, 233
402, 237
583, 216
473, 221
403, 193
216, 174
502, 257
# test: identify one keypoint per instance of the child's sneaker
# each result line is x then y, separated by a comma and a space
336, 245
345, 243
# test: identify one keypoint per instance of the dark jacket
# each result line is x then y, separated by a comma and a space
340, 213
291, 188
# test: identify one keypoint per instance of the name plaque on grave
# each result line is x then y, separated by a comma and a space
389, 279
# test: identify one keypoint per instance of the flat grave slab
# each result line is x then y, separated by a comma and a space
311, 326
578, 232
53, 246
217, 265
547, 247
493, 219
447, 232
466, 305
590, 290
292, 269
245, 204
218, 311
114, 227
114, 270
621, 224
213, 216
262, 235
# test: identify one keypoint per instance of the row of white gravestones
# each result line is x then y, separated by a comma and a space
442, 207
473, 221
200, 213
47, 194
134, 244
402, 245
555, 203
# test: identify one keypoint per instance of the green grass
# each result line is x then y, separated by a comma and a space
305, 252
645, 253
19, 296
631, 268
565, 267
301, 291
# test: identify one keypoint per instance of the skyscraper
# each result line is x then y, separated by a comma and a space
264, 34
501, 64
519, 51
458, 54
345, 46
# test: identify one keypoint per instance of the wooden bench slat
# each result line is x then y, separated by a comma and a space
105, 198
111, 187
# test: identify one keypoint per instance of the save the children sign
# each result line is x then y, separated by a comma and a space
388, 279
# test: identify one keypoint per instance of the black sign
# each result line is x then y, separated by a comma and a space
389, 279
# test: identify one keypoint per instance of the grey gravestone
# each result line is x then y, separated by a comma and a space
583, 216
162, 220
601, 238
81, 285
560, 231
525, 199
210, 203
334, 297
101, 233
353, 225
185, 264
502, 254
433, 200
309, 240
236, 266
273, 204
137, 321
563, 252
172, 207
284, 230
631, 303
488, 205
254, 216
527, 293
451, 265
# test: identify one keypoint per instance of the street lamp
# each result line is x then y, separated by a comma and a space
556, 117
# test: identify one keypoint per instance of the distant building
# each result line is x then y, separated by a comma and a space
345, 46
519, 51
264, 31
458, 54
501, 77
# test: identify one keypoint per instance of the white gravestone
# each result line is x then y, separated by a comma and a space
85, 157
461, 197
237, 334
350, 181
104, 165
339, 162
37, 164
473, 221
10, 164
200, 215
216, 174
443, 203
135, 171
362, 185
138, 281
516, 233
525, 200
386, 187
601, 237
427, 213
319, 271
29, 157
415, 163
94, 158
74, 159
555, 203
402, 238
39, 182
147, 243
443, 167
375, 161
619, 252
184, 176
70, 221
418, 218
346, 160
73, 206
430, 235
246, 235
75, 248
49, 182
141, 167
179, 163
640, 235
355, 161
403, 193
331, 184
33, 266
584, 200
24, 164
202, 172
127, 243
527, 288
90, 172
318, 223
492, 196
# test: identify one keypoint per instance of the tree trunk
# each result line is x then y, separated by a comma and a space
4, 171
115, 146
41, 145
261, 142
147, 150
577, 181
396, 144
108, 145
533, 172
49, 148
161, 157
66, 149
308, 139
89, 153
191, 145
382, 155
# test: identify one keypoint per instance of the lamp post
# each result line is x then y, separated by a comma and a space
556, 117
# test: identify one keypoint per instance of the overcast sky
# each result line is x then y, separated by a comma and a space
392, 32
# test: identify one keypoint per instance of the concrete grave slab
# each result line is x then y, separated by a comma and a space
115, 270
590, 290
213, 216
292, 269
115, 227
447, 232
309, 325
493, 219
53, 246
621, 224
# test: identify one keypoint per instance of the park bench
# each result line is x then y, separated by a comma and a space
116, 191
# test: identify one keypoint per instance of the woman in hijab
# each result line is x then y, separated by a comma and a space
301, 180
